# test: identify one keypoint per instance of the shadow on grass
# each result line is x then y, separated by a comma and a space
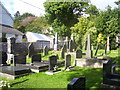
93, 76
19, 82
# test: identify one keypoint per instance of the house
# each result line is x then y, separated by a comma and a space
34, 37
6, 25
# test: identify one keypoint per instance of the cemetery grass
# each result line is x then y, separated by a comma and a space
59, 80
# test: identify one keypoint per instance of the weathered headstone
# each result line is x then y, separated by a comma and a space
36, 58
77, 84
10, 45
52, 62
63, 50
78, 54
31, 50
89, 51
3, 58
56, 42
109, 77
45, 51
20, 53
67, 43
73, 42
67, 61
70, 46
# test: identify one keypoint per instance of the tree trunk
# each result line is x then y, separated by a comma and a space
96, 49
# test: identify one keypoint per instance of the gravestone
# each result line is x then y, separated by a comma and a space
20, 53
36, 58
63, 50
10, 45
108, 44
67, 43
77, 84
88, 51
31, 50
70, 46
56, 42
73, 42
67, 61
45, 51
78, 54
52, 62
3, 58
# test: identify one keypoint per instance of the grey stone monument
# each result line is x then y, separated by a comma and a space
56, 42
36, 58
45, 51
67, 42
52, 62
10, 45
88, 51
73, 42
70, 46
108, 44
31, 50
63, 50
20, 53
67, 61
3, 58
78, 54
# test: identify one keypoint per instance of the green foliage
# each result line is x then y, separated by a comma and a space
62, 15
28, 22
81, 30
39, 25
107, 23
18, 20
92, 10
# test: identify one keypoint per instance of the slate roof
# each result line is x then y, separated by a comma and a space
9, 30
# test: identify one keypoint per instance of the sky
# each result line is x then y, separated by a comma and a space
20, 5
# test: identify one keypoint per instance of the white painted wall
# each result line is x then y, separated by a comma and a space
5, 17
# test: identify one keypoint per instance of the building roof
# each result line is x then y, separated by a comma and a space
6, 10
9, 30
37, 36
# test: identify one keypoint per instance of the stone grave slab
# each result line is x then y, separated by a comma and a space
13, 72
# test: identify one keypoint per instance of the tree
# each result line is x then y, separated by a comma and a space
82, 29
92, 10
107, 23
39, 25
63, 15
18, 20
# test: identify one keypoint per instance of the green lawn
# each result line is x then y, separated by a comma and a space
59, 80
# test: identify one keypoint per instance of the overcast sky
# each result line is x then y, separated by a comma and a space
19, 5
